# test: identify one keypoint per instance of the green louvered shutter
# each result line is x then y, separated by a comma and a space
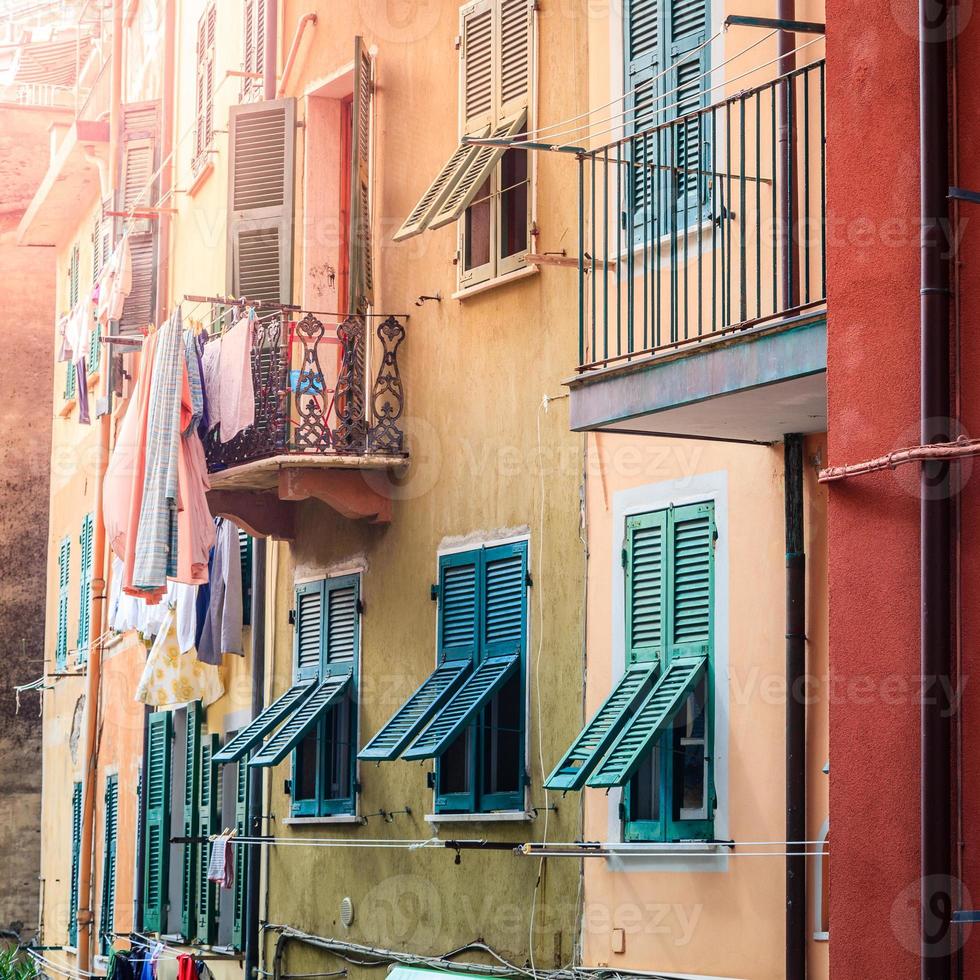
92, 362
240, 853
651, 720
294, 730
64, 572
360, 263
107, 918
686, 29
157, 847
591, 745
85, 589
245, 548
308, 636
458, 607
504, 608
341, 636
643, 47
192, 782
415, 713
76, 839
692, 581
252, 734
645, 554
207, 823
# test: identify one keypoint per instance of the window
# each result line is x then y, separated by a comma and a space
253, 48
74, 267
469, 714
245, 542
204, 97
654, 733
487, 186
157, 829
85, 589
64, 570
666, 61
76, 841
107, 916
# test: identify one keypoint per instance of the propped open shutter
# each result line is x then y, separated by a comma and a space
76, 838
416, 712
463, 707
207, 824
594, 740
85, 588
302, 720
139, 150
157, 848
107, 911
360, 257
252, 734
64, 572
260, 207
651, 719
192, 782
240, 853
692, 575
645, 554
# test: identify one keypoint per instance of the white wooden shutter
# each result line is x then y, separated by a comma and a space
513, 57
359, 252
260, 200
477, 52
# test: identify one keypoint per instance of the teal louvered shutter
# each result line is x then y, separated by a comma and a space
686, 29
650, 721
157, 847
308, 635
76, 839
295, 729
85, 589
64, 572
252, 734
207, 823
360, 261
594, 740
107, 917
192, 782
342, 632
692, 580
463, 707
245, 544
504, 608
643, 50
416, 712
458, 606
645, 560
240, 854
93, 348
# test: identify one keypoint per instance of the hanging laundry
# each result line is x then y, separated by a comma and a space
76, 341
156, 951
171, 677
195, 381
221, 867
115, 283
204, 426
120, 967
236, 390
211, 372
194, 528
222, 631
186, 969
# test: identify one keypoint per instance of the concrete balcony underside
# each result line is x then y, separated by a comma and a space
750, 386
261, 496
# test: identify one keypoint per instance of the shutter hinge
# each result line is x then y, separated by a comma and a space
714, 531
458, 41
622, 812
287, 787
623, 556
434, 593
430, 779
528, 581
357, 788
292, 617
360, 607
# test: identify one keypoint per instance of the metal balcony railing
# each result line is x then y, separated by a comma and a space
313, 396
706, 224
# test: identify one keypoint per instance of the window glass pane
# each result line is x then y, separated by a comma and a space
454, 766
645, 789
304, 787
476, 235
502, 740
690, 749
513, 203
337, 747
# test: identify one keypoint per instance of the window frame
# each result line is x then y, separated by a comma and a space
474, 799
320, 805
666, 827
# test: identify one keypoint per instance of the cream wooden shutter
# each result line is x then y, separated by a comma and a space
513, 60
260, 201
359, 252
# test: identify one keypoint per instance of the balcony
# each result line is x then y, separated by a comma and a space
702, 277
322, 429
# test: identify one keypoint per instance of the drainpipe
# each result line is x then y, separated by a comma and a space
166, 165
98, 612
795, 710
935, 500
271, 52
253, 877
788, 249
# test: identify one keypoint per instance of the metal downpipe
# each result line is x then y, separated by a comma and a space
935, 499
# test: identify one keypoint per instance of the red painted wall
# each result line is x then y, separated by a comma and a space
873, 364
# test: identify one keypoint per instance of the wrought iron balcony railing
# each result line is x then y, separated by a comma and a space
313, 396
706, 224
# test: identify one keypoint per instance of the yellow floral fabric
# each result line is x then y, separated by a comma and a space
172, 677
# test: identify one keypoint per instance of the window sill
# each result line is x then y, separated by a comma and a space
201, 174
67, 408
506, 279
655, 847
504, 816
92, 380
339, 818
